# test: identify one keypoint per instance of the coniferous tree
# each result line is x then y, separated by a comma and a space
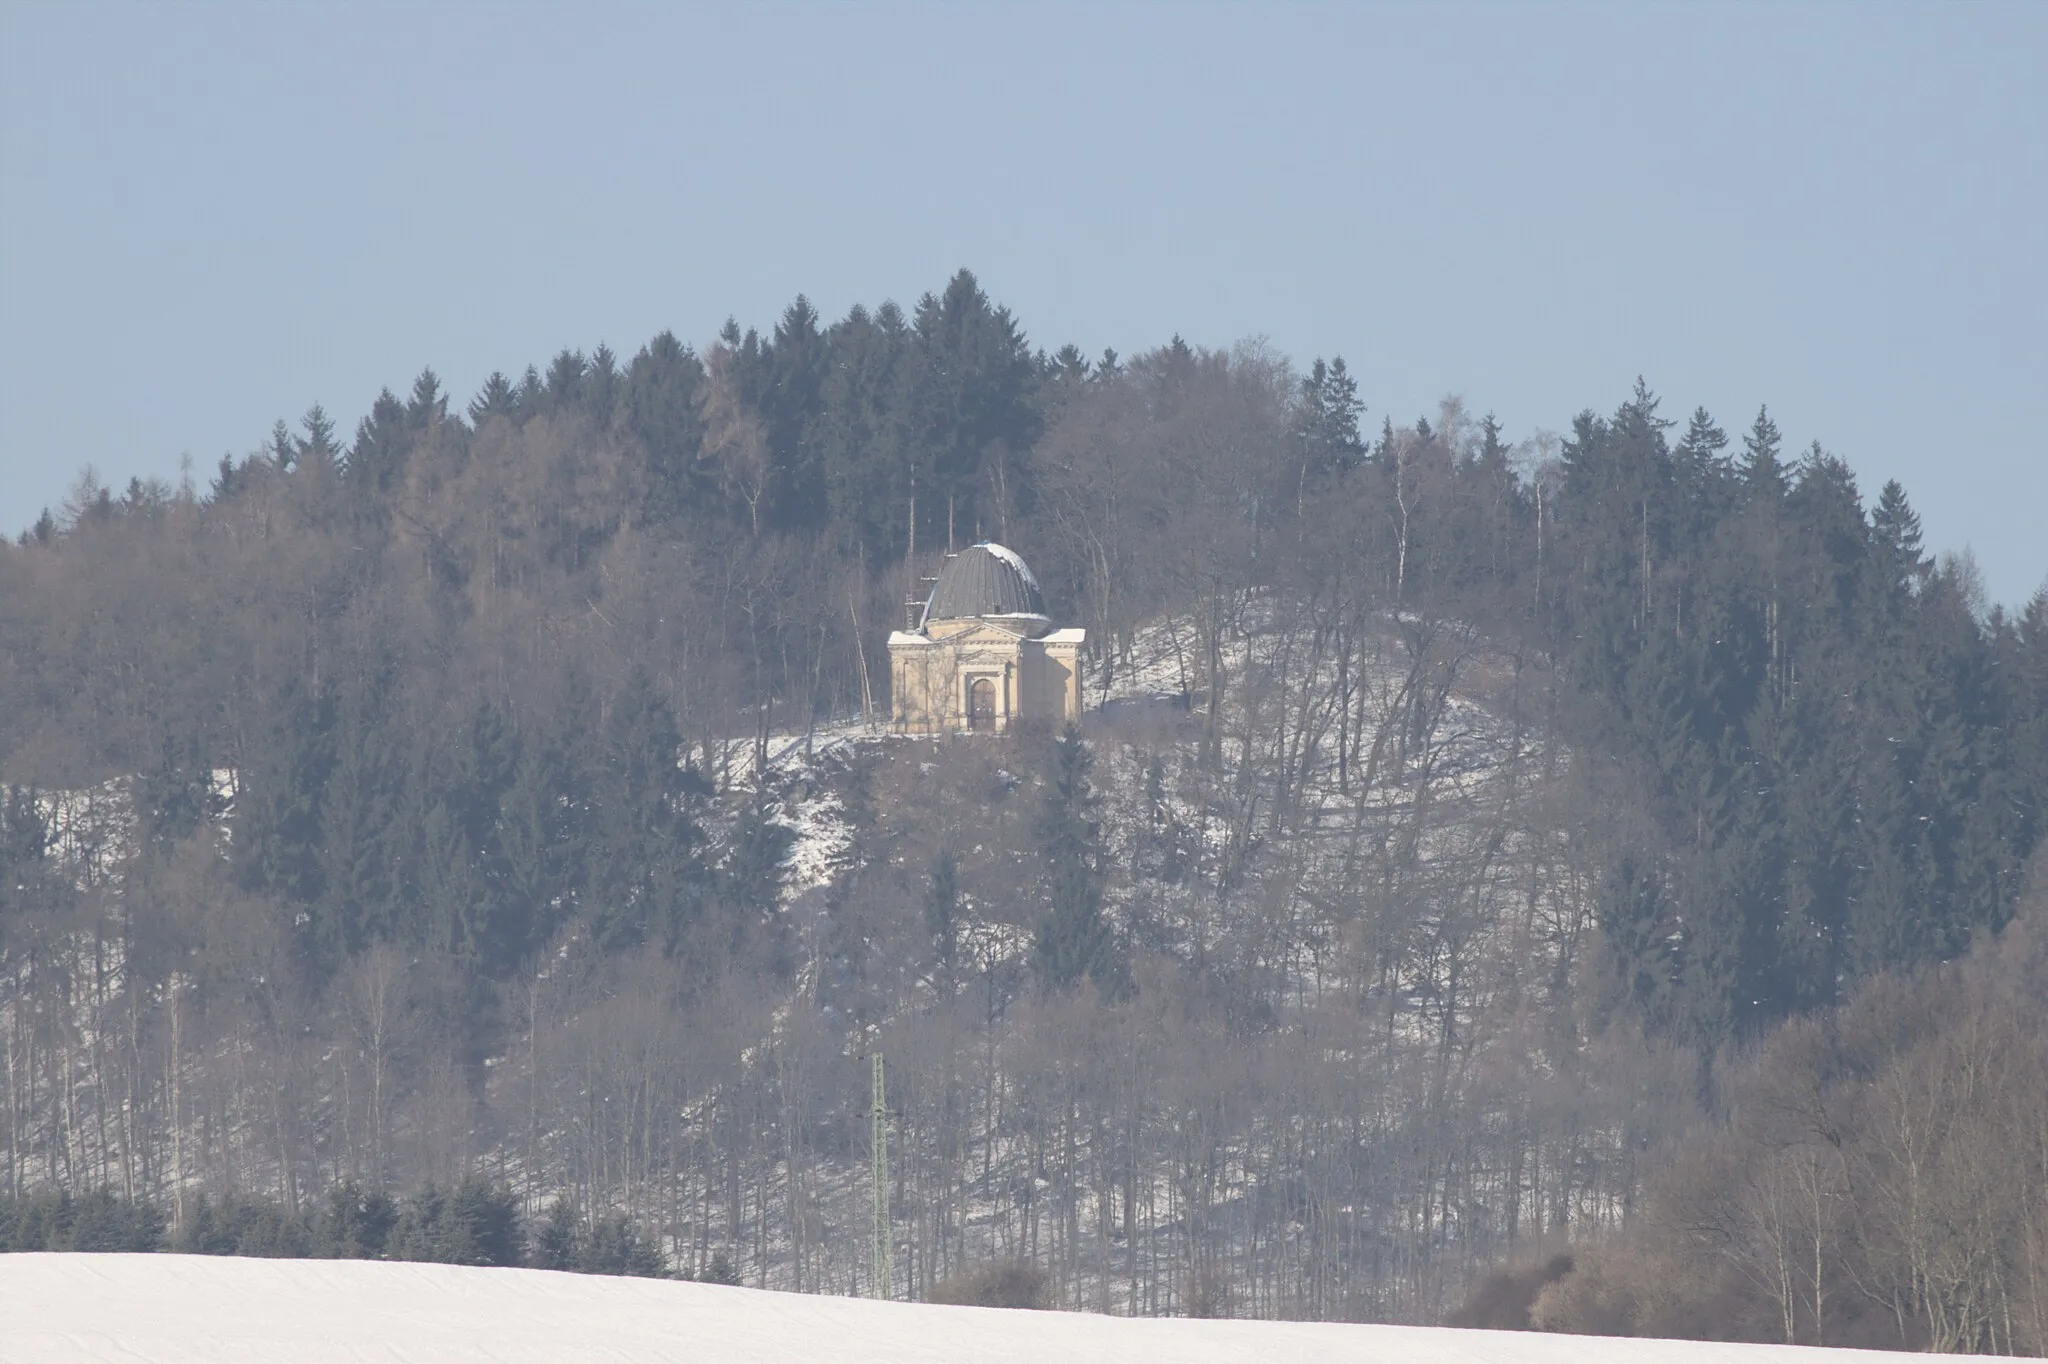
797, 359
659, 409
355, 1225
561, 390
283, 450
175, 794
1899, 566
642, 837
1763, 471
497, 398
601, 387
749, 881
616, 1246
426, 404
531, 396
1327, 421
30, 887
377, 458
1705, 476
476, 1223
282, 795
1639, 930
970, 388
1074, 939
98, 1221
558, 1241
863, 432
317, 448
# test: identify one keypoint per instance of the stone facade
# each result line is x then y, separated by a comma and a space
992, 660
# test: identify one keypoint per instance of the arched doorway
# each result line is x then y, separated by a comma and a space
981, 704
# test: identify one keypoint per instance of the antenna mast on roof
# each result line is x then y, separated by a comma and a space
913, 605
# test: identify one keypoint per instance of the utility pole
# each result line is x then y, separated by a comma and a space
879, 1138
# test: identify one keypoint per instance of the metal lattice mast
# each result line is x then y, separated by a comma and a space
879, 1140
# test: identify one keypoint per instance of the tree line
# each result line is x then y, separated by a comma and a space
475, 1223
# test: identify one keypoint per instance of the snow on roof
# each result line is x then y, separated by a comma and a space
1013, 559
203, 1309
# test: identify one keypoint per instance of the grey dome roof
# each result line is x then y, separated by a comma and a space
985, 580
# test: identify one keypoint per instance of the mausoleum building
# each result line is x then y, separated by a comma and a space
984, 655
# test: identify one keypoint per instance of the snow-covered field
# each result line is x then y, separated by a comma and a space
182, 1309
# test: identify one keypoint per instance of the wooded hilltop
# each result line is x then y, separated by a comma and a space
1586, 883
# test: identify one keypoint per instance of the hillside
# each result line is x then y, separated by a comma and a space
1468, 846
99, 1309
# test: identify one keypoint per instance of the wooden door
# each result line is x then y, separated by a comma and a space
981, 704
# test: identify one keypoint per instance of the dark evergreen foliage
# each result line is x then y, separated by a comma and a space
477, 1223
1074, 940
235, 1225
54, 1219
356, 1225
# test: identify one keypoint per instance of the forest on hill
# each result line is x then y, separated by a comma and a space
1476, 852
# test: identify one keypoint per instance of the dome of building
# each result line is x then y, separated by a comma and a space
984, 580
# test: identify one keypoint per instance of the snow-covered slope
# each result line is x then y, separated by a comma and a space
179, 1309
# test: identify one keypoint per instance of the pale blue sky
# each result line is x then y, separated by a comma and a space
213, 215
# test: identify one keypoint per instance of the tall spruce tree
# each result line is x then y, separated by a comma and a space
497, 398
1074, 941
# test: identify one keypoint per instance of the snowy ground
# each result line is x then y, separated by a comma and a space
180, 1309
